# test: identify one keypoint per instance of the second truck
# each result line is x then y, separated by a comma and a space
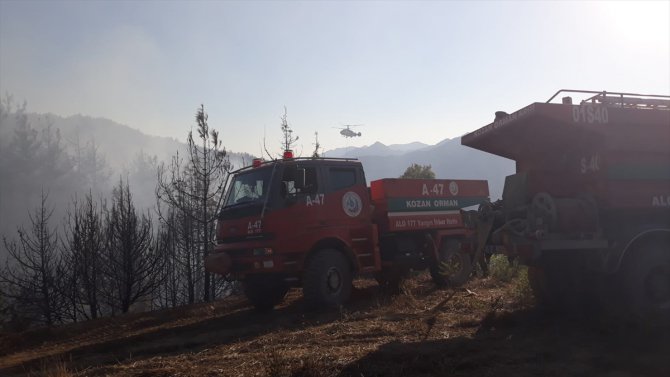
588, 209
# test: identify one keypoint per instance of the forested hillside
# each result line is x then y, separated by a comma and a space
99, 219
68, 156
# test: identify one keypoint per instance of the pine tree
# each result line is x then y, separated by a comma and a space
84, 247
132, 266
30, 277
194, 189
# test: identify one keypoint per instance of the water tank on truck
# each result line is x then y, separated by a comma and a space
588, 206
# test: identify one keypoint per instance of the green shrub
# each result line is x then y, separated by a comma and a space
501, 269
522, 291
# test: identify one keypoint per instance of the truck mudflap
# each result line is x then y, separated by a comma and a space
219, 263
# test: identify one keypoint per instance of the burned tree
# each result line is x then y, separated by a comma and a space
132, 266
170, 293
193, 188
288, 140
84, 245
287, 131
30, 276
317, 146
182, 269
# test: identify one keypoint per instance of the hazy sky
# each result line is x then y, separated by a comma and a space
408, 71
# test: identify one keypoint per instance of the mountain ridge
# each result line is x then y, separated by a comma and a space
376, 148
120, 143
448, 159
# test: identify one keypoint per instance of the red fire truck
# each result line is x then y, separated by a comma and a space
313, 223
589, 206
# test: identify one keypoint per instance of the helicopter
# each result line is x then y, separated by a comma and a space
346, 131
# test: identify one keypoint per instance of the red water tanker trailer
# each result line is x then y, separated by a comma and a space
589, 206
313, 223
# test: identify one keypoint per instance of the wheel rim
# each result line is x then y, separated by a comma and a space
333, 280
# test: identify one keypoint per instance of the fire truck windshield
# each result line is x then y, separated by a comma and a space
249, 187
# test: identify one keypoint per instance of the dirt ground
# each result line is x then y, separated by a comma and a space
483, 329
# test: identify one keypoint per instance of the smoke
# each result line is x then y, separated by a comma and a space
121, 74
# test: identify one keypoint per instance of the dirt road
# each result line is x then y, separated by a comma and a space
482, 329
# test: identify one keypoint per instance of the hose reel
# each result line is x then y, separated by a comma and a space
578, 214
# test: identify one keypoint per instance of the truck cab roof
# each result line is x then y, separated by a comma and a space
258, 163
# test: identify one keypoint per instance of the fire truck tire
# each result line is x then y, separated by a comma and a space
453, 267
647, 285
552, 293
264, 292
327, 280
560, 284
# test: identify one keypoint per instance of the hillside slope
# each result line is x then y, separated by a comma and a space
120, 152
479, 330
119, 143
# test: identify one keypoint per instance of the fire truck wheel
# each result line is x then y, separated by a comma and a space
552, 289
647, 285
453, 267
562, 284
327, 280
264, 292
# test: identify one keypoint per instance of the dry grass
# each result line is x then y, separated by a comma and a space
52, 368
482, 329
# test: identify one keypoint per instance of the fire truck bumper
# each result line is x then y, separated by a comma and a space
219, 263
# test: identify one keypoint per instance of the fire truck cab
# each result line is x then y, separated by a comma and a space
296, 222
